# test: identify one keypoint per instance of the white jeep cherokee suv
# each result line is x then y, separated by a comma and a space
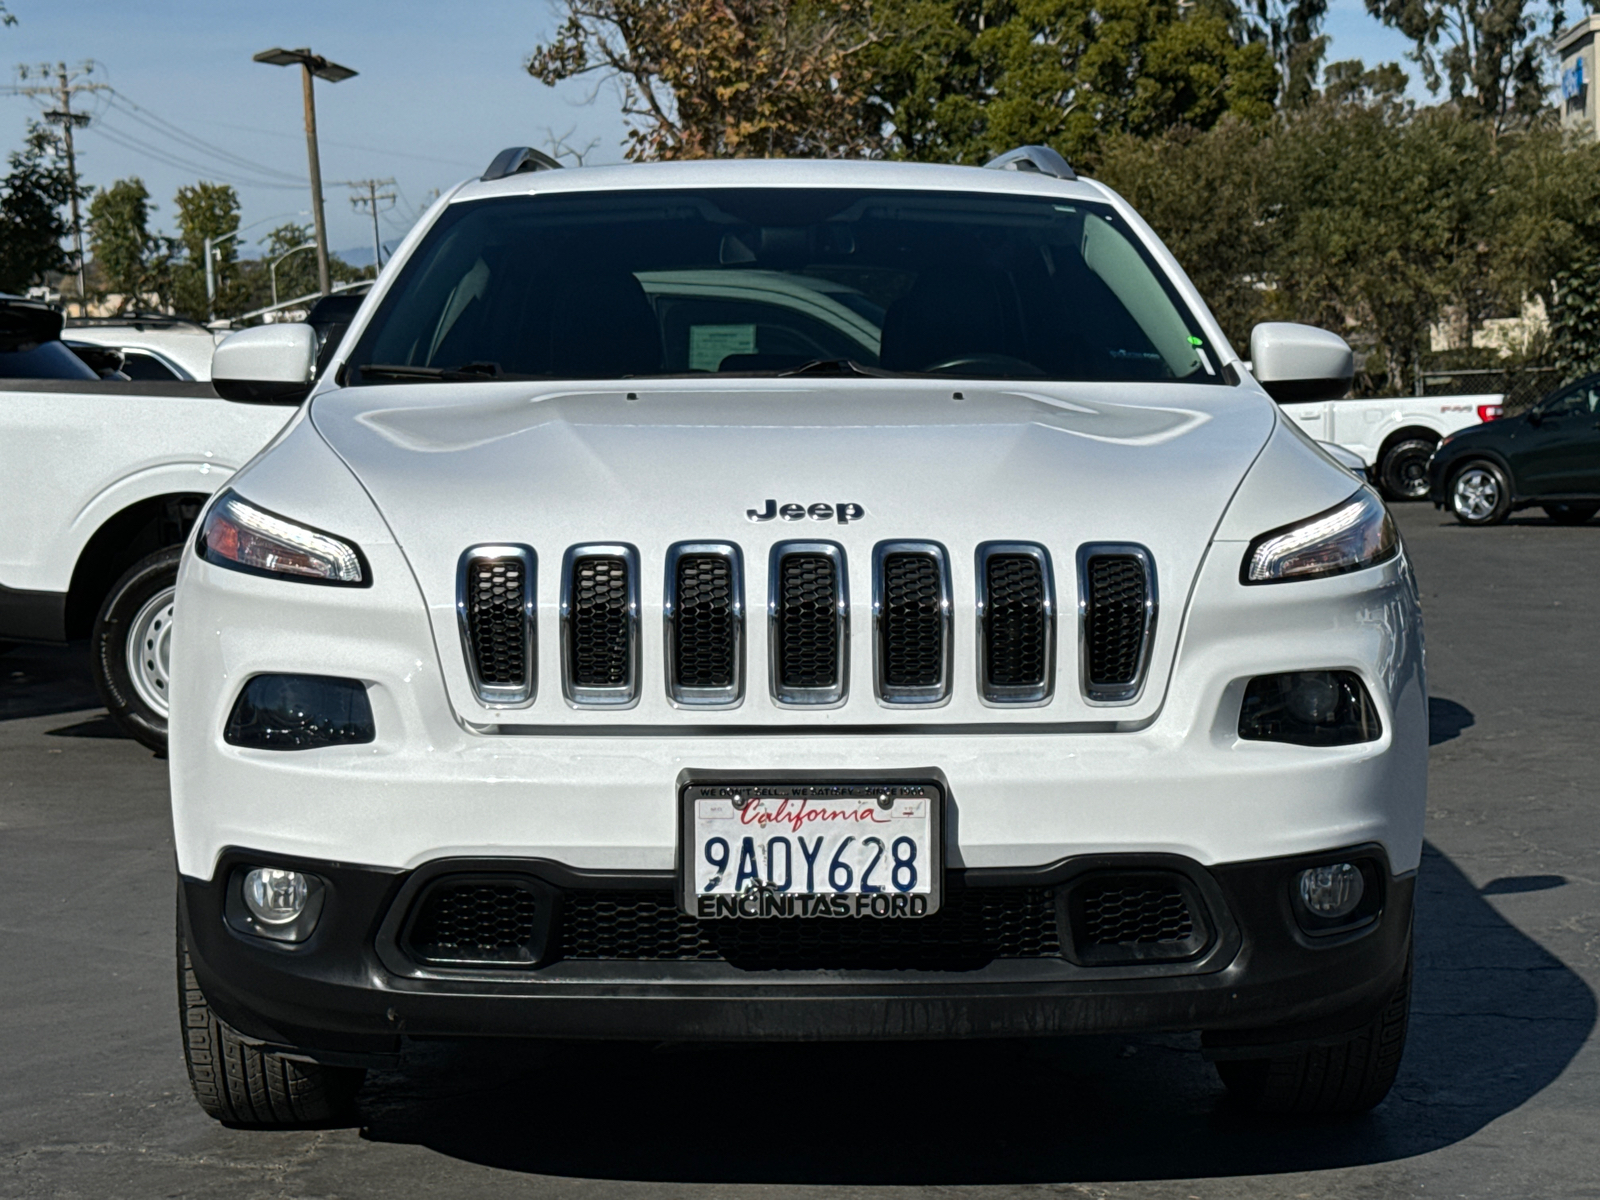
792, 600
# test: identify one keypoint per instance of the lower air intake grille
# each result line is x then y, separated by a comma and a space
703, 650
1135, 917
973, 928
477, 921
911, 626
1117, 589
600, 625
807, 622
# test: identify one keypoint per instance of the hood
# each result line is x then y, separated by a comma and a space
755, 462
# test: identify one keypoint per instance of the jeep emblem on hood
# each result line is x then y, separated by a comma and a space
843, 513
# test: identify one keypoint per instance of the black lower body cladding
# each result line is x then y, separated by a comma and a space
1221, 952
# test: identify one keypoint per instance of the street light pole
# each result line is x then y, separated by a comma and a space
323, 281
312, 65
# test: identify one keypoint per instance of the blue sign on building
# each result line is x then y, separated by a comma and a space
1572, 81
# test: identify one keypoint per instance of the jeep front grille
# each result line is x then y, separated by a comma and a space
704, 626
911, 615
808, 619
495, 611
600, 626
1116, 616
1016, 623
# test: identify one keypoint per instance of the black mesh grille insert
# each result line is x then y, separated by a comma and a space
1134, 917
1114, 638
497, 627
1016, 626
808, 631
703, 623
911, 625
489, 921
972, 929
598, 624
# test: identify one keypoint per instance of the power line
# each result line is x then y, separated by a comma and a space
278, 133
128, 141
191, 142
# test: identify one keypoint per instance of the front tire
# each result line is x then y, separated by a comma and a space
1403, 472
1570, 514
132, 643
246, 1087
1337, 1080
1480, 494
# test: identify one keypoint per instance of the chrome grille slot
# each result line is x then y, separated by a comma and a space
911, 614
600, 626
1116, 618
1016, 624
704, 626
495, 612
809, 626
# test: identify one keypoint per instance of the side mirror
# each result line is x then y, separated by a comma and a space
1300, 362
269, 364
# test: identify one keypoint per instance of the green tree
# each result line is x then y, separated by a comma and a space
208, 210
135, 263
33, 197
1488, 54
967, 79
1291, 30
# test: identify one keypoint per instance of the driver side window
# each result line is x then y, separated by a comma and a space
1575, 402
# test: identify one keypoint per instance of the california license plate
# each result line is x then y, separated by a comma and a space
812, 850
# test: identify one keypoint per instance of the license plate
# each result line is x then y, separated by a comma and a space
812, 851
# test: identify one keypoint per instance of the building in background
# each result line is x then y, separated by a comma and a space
1575, 49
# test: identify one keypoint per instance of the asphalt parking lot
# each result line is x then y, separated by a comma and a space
1499, 1094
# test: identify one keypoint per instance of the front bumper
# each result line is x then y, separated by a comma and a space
350, 993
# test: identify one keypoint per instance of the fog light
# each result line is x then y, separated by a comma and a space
275, 897
300, 712
274, 902
1309, 708
1331, 892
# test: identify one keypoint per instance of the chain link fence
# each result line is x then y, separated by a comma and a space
1521, 386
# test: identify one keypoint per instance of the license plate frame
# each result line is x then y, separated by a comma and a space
772, 904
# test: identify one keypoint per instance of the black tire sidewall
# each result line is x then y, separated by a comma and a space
109, 645
1389, 469
1502, 508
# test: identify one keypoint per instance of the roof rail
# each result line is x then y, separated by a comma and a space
516, 159
1039, 159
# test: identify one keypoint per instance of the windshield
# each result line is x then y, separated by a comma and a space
766, 281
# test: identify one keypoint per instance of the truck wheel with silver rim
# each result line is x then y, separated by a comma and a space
132, 643
1480, 493
1404, 470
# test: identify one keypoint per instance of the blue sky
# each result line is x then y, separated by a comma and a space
441, 89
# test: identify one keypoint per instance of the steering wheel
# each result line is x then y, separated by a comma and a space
1004, 363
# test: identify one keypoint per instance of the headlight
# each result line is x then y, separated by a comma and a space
1358, 533
246, 538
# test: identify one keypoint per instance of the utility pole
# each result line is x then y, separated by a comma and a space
67, 85
312, 65
369, 203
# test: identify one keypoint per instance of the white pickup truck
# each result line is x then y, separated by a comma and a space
1393, 435
103, 480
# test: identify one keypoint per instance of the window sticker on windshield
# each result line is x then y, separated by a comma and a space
710, 344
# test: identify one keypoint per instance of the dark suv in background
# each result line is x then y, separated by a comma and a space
1548, 456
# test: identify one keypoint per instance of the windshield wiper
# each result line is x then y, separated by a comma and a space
466, 373
839, 366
